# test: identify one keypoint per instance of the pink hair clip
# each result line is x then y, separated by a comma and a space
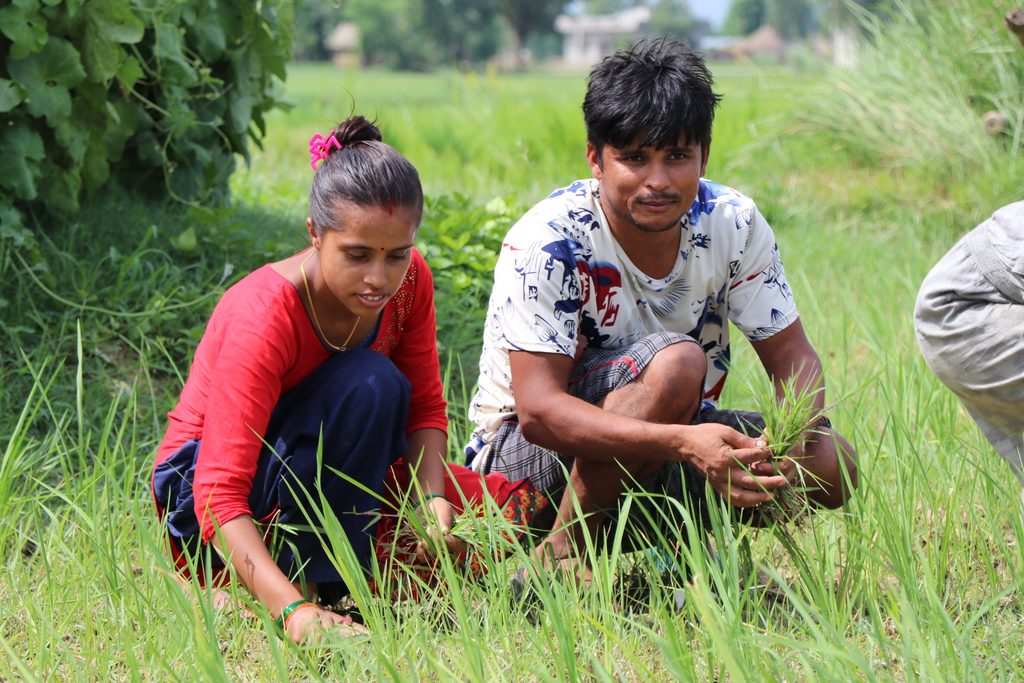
319, 148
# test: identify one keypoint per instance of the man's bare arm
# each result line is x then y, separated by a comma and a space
787, 355
550, 417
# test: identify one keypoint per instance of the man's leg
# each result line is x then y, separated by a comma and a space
667, 391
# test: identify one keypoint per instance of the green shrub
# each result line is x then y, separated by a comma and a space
157, 94
461, 240
928, 70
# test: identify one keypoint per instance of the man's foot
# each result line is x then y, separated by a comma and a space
636, 587
565, 570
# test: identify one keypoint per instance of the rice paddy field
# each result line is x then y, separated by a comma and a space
920, 577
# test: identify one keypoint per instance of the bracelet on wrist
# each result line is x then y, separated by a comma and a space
282, 618
427, 497
822, 423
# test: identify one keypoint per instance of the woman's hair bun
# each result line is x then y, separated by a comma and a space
359, 168
356, 129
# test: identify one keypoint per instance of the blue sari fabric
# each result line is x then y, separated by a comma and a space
360, 401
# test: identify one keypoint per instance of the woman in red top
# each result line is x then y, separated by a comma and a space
335, 346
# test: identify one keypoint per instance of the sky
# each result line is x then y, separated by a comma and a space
712, 10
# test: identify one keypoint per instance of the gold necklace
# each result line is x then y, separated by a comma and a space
316, 321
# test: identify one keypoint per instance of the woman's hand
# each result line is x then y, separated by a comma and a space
437, 518
307, 625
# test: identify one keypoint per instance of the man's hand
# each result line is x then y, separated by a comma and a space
726, 456
784, 465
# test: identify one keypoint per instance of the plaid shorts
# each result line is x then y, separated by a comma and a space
598, 373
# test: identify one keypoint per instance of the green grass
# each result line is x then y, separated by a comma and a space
514, 136
920, 578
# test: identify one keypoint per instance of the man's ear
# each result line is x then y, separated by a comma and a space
594, 159
705, 153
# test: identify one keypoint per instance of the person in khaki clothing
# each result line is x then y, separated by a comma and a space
970, 326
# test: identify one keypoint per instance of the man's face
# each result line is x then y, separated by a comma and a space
647, 189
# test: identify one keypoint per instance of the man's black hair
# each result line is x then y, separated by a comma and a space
655, 92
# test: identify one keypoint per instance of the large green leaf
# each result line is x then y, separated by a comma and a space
273, 60
169, 48
72, 139
62, 187
115, 21
102, 58
11, 225
11, 95
47, 77
95, 167
129, 73
20, 146
208, 35
25, 26
168, 41
241, 110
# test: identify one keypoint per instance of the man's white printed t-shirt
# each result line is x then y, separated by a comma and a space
561, 275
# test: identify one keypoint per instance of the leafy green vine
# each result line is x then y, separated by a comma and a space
157, 95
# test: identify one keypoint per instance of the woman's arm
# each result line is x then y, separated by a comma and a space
240, 542
425, 458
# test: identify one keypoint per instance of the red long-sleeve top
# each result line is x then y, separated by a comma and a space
258, 344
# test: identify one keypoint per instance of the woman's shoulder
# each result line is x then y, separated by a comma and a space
263, 285
261, 297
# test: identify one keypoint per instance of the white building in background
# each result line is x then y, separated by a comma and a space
844, 47
588, 39
343, 44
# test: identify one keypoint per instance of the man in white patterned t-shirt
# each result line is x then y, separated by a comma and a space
606, 342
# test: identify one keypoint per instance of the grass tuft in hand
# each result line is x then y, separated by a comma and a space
788, 419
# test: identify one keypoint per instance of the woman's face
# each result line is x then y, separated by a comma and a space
365, 254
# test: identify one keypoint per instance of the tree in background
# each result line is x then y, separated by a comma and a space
314, 21
393, 34
414, 35
674, 18
745, 17
529, 17
593, 7
465, 31
791, 18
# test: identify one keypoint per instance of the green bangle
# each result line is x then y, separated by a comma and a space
426, 498
291, 608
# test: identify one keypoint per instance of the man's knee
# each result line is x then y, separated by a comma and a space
668, 390
676, 374
684, 362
